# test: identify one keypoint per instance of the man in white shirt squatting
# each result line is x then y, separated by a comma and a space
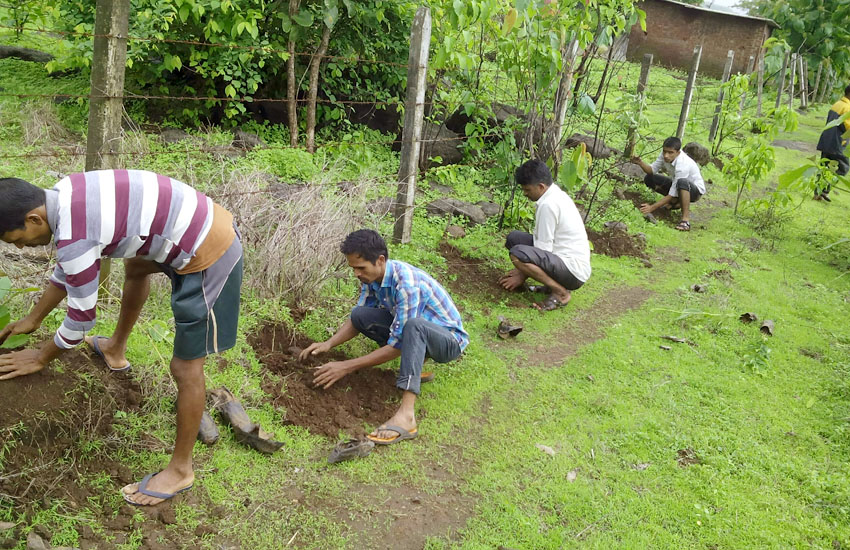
557, 254
686, 186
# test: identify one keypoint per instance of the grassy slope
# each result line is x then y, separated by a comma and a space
767, 422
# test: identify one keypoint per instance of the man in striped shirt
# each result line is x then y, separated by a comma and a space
157, 224
407, 313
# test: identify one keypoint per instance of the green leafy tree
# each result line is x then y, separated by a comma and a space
818, 29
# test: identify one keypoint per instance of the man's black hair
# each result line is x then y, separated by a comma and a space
17, 199
847, 90
533, 172
673, 142
365, 243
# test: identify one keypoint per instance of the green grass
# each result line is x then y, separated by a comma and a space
766, 416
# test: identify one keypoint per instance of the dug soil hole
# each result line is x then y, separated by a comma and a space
616, 243
353, 405
475, 277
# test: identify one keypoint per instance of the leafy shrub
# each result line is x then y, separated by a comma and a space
287, 164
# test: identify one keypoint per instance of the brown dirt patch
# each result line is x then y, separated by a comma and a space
475, 277
616, 243
360, 400
662, 214
58, 426
587, 326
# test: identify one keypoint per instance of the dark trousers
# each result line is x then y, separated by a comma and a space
843, 166
521, 246
661, 184
418, 338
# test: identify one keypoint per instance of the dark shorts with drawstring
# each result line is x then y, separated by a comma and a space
206, 306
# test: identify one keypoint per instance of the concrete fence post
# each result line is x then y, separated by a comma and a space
792, 86
689, 92
781, 87
760, 85
727, 72
414, 111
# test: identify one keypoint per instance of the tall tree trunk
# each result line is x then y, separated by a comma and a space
553, 133
315, 64
291, 90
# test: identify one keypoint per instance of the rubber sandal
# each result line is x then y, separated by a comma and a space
684, 226
549, 304
402, 435
143, 489
353, 448
96, 347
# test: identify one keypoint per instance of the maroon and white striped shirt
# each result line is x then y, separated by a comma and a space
118, 214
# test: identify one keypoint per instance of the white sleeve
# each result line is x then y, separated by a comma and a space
545, 223
658, 164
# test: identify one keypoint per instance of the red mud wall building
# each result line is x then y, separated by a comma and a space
673, 30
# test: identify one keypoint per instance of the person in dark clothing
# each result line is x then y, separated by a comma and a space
832, 143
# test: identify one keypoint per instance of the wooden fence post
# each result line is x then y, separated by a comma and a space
641, 91
804, 84
689, 92
760, 85
750, 64
816, 89
106, 104
727, 72
781, 81
793, 80
414, 110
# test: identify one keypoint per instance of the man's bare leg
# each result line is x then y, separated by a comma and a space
685, 198
137, 287
403, 418
535, 272
512, 280
191, 399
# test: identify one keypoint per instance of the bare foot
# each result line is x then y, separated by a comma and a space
400, 420
168, 481
115, 358
512, 280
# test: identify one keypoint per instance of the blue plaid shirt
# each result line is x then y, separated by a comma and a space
409, 292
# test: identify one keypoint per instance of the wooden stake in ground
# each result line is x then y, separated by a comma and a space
414, 109
804, 85
107, 84
781, 87
760, 85
816, 89
641, 92
689, 93
750, 64
727, 72
106, 105
793, 80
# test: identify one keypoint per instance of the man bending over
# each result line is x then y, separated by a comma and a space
685, 187
832, 143
557, 254
159, 225
407, 313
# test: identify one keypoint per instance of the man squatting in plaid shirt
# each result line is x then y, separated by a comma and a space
159, 225
407, 313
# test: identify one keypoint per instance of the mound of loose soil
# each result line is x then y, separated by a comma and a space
474, 277
359, 401
637, 200
47, 415
616, 243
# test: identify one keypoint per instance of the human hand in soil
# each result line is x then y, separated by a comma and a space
316, 348
512, 280
330, 373
645, 208
24, 326
20, 363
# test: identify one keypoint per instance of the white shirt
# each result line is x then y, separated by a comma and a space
682, 167
559, 229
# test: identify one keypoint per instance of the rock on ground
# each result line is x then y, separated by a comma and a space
700, 154
439, 141
246, 140
456, 207
601, 151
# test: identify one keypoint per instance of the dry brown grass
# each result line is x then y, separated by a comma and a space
292, 234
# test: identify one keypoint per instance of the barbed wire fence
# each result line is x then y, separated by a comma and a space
109, 154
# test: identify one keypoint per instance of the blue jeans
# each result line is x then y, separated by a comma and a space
418, 339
